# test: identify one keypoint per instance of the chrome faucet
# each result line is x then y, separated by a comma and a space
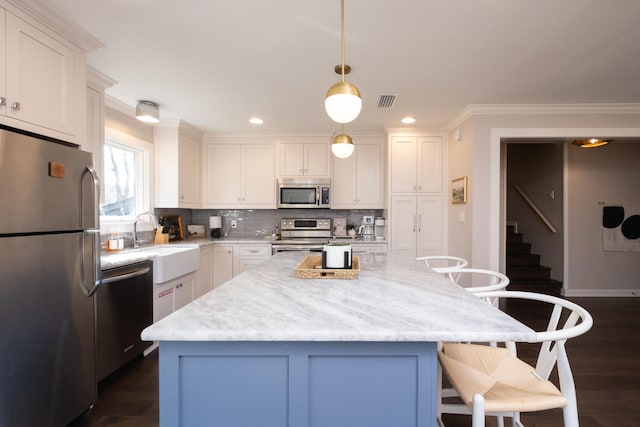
136, 241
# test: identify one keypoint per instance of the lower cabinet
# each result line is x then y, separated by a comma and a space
250, 255
172, 295
204, 275
231, 260
368, 248
222, 264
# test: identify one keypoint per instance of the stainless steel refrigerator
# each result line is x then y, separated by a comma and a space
49, 270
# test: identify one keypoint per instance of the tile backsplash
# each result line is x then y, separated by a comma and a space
261, 222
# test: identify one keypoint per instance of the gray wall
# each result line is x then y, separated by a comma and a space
610, 174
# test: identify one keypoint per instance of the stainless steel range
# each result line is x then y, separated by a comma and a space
302, 235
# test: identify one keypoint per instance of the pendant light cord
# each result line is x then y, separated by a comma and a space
342, 37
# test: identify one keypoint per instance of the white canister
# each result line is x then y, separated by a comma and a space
335, 255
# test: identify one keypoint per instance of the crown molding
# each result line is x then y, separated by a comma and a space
179, 124
50, 18
548, 109
116, 104
98, 80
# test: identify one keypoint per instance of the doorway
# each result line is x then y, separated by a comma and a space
534, 249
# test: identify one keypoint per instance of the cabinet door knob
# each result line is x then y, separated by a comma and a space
3, 100
15, 106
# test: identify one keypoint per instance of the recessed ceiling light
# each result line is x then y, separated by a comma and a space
256, 121
409, 120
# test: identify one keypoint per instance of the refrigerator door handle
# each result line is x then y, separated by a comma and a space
95, 234
96, 197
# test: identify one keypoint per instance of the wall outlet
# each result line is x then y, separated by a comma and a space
234, 223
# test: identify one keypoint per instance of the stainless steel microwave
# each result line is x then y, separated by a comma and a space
303, 192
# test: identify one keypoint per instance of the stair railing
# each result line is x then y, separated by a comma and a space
535, 209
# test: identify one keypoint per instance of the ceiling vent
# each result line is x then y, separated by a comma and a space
387, 101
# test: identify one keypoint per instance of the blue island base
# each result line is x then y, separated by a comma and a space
298, 384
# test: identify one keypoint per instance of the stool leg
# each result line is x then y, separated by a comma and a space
477, 411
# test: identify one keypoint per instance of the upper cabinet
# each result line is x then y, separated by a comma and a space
42, 80
304, 159
240, 176
358, 179
416, 164
177, 146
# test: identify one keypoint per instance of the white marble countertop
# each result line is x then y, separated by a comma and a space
393, 299
143, 253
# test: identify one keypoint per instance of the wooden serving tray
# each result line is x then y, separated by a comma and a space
311, 268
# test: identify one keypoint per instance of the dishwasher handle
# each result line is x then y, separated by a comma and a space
136, 273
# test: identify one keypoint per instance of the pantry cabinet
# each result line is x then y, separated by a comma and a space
416, 216
240, 176
416, 224
416, 164
178, 172
358, 179
304, 159
42, 80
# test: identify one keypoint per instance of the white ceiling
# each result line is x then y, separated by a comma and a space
215, 64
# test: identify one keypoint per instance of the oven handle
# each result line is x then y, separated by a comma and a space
283, 248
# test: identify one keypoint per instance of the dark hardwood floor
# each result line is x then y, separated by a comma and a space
605, 363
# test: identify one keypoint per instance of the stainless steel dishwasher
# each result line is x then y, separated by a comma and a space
123, 307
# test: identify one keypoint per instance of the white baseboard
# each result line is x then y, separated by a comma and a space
601, 292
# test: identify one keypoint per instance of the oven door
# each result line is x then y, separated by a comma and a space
295, 248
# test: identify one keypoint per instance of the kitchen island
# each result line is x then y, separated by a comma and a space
270, 349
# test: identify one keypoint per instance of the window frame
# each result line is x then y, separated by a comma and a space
143, 181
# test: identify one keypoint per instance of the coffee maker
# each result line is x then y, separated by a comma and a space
379, 228
366, 228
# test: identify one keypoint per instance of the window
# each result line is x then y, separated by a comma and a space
126, 176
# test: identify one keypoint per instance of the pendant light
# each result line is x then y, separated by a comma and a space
342, 145
343, 102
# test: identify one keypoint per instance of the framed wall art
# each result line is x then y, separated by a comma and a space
195, 231
459, 190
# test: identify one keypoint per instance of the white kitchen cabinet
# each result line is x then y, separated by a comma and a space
97, 83
42, 80
222, 264
358, 179
172, 295
241, 176
204, 275
304, 159
184, 292
416, 164
178, 173
416, 223
251, 255
368, 248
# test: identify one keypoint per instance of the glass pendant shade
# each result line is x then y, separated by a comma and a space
343, 102
342, 146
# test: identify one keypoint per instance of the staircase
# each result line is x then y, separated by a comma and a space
524, 269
